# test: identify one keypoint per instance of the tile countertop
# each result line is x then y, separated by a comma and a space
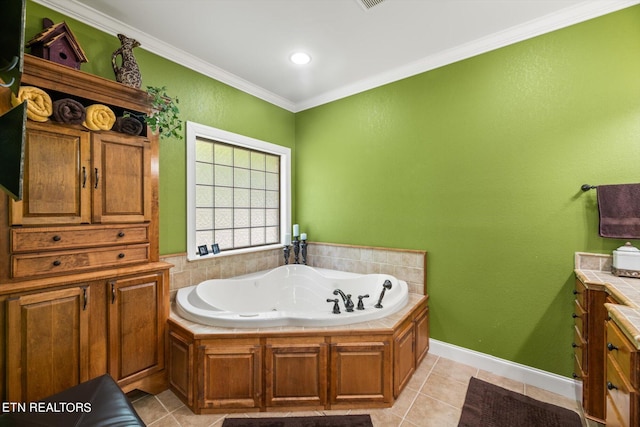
594, 271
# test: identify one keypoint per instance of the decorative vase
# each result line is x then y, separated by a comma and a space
129, 72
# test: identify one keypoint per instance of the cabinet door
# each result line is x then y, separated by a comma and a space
47, 336
403, 358
422, 335
136, 327
56, 188
304, 359
360, 372
121, 178
180, 366
230, 374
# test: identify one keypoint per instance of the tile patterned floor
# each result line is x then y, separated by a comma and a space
434, 397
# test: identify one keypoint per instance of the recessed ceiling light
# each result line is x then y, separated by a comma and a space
300, 58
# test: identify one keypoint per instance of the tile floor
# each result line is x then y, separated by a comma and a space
434, 397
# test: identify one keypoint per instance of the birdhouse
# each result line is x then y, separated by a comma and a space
57, 43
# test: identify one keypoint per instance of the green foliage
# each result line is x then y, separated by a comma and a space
165, 115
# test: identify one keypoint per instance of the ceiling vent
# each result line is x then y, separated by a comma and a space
368, 4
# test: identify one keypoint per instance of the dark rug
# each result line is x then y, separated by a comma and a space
488, 405
319, 421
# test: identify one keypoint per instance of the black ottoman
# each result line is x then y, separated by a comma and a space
95, 403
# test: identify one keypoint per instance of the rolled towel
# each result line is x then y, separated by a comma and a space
39, 105
99, 117
128, 125
68, 110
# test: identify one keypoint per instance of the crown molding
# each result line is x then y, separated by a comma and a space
546, 24
567, 17
104, 23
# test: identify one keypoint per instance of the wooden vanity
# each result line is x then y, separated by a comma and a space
607, 346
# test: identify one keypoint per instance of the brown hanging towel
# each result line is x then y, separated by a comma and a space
619, 210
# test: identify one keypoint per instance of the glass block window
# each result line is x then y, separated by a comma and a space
238, 190
237, 196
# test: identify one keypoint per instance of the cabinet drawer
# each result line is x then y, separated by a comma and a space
580, 318
578, 372
59, 238
77, 261
580, 292
619, 349
579, 348
619, 394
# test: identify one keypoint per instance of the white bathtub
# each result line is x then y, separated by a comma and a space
290, 295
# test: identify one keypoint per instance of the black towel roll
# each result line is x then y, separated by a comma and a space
69, 111
128, 125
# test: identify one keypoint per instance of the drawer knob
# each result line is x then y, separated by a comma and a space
57, 238
57, 262
611, 386
611, 347
121, 234
120, 255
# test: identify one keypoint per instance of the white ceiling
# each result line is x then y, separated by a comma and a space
247, 43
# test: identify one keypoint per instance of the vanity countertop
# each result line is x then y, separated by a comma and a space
594, 271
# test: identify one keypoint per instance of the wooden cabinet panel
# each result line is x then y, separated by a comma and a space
26, 265
37, 239
403, 358
47, 343
230, 375
56, 187
122, 178
296, 372
360, 372
181, 367
136, 327
422, 335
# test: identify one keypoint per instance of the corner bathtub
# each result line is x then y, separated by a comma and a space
289, 295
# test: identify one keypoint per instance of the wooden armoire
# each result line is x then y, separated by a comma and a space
82, 290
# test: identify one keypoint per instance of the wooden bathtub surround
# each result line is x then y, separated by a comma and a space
217, 370
82, 290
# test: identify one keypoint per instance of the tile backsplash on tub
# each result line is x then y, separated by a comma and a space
407, 265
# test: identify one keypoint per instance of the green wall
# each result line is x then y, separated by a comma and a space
202, 100
480, 163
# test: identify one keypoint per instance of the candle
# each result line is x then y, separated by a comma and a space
287, 239
303, 236
296, 230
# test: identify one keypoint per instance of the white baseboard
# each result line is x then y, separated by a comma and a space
536, 377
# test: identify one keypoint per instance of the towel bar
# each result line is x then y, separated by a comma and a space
587, 187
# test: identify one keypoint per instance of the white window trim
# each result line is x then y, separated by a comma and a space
196, 130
